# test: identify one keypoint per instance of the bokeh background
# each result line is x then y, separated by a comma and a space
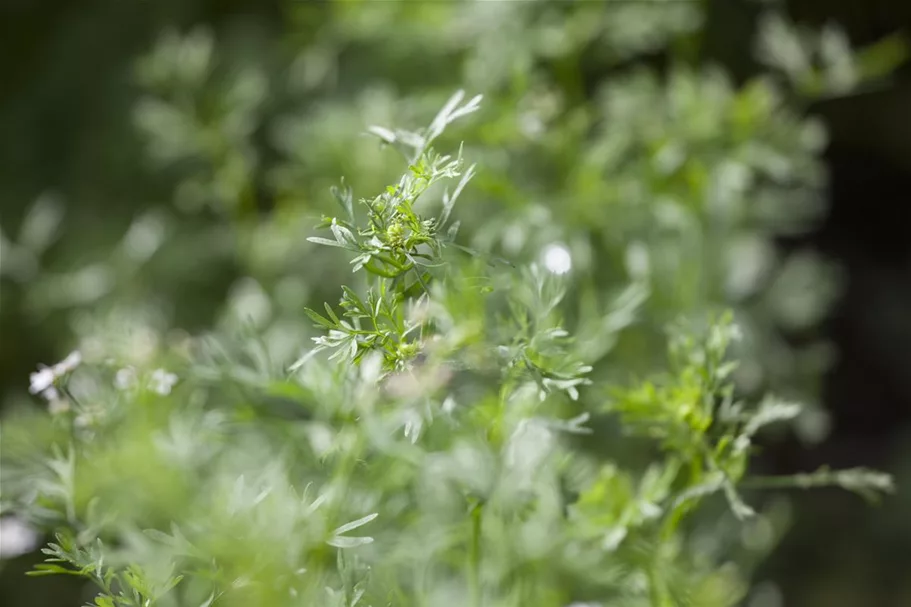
162, 163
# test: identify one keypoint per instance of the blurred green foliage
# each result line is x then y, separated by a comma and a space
604, 135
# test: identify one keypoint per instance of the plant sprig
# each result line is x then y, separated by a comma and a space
396, 245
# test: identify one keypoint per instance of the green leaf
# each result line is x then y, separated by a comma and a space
209, 601
451, 112
343, 541
51, 569
771, 411
383, 133
345, 197
883, 57
343, 235
161, 536
329, 243
331, 313
355, 300
740, 508
355, 524
449, 201
317, 318
172, 583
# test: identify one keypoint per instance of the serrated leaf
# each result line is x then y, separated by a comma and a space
442, 118
450, 113
345, 197
771, 411
355, 299
473, 105
449, 200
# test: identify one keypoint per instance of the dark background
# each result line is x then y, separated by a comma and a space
64, 119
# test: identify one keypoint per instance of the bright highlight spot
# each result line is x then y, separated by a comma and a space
16, 537
557, 259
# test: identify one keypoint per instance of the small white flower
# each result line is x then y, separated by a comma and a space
16, 537
162, 381
557, 259
125, 378
42, 380
69, 363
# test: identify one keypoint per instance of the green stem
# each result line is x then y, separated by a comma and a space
391, 261
820, 478
658, 595
673, 520
496, 432
378, 271
68, 394
474, 555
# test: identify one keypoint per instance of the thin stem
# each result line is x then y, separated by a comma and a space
378, 271
673, 520
852, 479
390, 261
658, 595
474, 555
65, 389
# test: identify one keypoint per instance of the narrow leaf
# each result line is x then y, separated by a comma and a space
355, 524
342, 234
331, 313
317, 318
449, 201
383, 133
442, 118
345, 197
327, 242
349, 542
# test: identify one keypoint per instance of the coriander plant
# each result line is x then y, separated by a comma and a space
439, 445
